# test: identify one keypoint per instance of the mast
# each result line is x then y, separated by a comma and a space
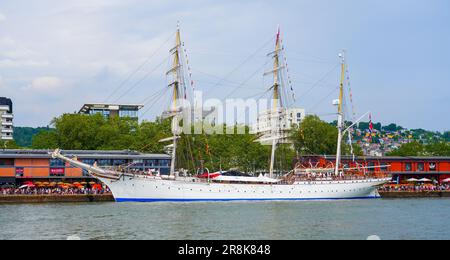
276, 97
177, 76
340, 122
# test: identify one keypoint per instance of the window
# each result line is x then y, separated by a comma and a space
119, 162
433, 167
20, 171
408, 167
164, 163
165, 171
150, 163
87, 161
104, 162
57, 168
128, 113
384, 167
57, 163
105, 113
6, 162
420, 167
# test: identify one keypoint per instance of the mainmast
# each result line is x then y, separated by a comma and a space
340, 121
276, 98
176, 85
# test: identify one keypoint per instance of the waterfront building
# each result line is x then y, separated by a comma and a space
6, 119
111, 110
435, 169
283, 119
19, 166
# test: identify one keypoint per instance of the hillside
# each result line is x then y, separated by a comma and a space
24, 135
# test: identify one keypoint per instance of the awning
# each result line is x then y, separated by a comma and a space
446, 180
412, 180
27, 186
425, 180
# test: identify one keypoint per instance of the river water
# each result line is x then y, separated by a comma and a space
387, 219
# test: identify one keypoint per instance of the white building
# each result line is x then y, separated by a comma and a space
110, 110
279, 123
6, 117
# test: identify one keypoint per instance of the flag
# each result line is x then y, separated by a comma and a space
370, 126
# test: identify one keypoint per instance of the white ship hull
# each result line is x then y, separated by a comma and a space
150, 189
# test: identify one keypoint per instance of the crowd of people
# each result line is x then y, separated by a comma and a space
416, 188
53, 191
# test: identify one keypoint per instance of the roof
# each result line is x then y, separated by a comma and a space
87, 107
84, 154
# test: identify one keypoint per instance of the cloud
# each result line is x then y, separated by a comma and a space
14, 55
46, 84
93, 45
2, 82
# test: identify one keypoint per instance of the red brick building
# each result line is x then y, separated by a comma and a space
19, 166
401, 168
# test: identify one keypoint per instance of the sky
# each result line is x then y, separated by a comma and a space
57, 55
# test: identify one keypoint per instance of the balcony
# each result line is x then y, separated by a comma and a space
7, 123
6, 137
7, 131
8, 116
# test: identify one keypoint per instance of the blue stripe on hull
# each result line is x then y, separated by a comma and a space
230, 200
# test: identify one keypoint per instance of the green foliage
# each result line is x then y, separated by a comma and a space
365, 125
409, 149
392, 128
418, 149
220, 151
216, 151
315, 136
8, 145
24, 135
84, 132
447, 136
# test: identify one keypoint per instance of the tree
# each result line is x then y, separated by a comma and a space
392, 128
23, 136
88, 132
45, 140
315, 136
438, 149
418, 149
447, 136
410, 149
8, 145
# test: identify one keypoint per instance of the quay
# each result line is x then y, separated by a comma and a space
414, 194
69, 198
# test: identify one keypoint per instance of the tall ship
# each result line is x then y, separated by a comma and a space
300, 184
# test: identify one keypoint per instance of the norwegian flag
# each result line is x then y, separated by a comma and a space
370, 126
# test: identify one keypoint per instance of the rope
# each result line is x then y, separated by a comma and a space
131, 75
244, 62
320, 80
142, 80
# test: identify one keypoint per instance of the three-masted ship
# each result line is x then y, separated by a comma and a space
298, 185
